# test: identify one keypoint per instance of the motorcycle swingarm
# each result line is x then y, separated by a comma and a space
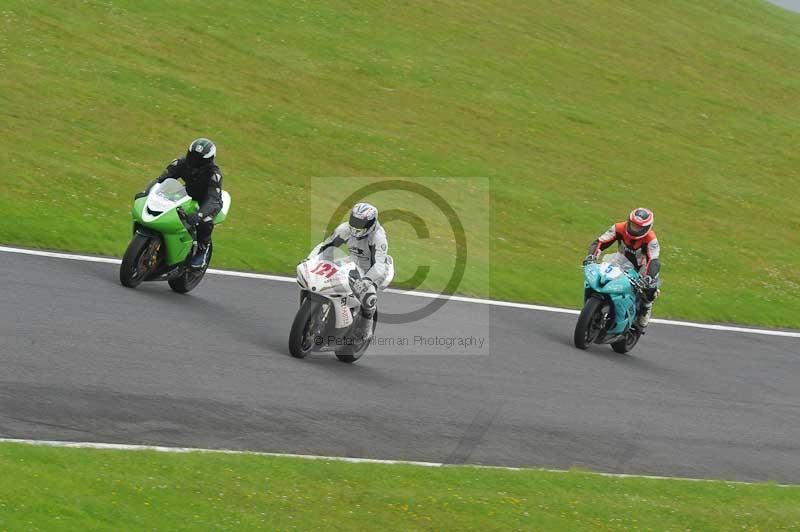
337, 340
611, 339
172, 273
326, 348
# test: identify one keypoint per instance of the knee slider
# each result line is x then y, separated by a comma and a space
369, 302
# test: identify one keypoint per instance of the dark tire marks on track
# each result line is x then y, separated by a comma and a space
82, 358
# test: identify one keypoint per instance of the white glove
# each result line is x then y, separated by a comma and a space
360, 286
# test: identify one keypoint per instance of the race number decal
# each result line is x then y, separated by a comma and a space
325, 269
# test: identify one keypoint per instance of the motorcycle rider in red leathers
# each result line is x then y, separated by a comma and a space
638, 242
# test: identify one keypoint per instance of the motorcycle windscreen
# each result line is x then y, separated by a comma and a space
170, 190
619, 260
163, 198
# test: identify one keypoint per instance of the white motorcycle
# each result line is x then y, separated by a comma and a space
329, 317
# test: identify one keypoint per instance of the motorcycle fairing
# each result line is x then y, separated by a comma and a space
609, 278
158, 211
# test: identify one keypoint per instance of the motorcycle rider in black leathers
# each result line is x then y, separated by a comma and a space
203, 180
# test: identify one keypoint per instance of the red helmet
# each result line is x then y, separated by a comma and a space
640, 222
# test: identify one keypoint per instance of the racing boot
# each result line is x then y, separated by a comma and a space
200, 258
365, 328
645, 313
369, 304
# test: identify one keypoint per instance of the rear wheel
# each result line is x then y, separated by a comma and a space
305, 327
351, 353
591, 322
139, 261
190, 278
627, 343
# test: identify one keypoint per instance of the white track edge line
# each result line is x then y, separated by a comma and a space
179, 450
461, 299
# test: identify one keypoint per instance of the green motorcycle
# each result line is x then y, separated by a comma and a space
163, 242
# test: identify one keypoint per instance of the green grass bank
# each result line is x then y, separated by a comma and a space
82, 489
576, 112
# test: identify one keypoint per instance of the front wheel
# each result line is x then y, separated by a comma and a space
140, 259
624, 345
590, 323
304, 328
351, 353
190, 278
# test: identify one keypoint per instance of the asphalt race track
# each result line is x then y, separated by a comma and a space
791, 5
84, 359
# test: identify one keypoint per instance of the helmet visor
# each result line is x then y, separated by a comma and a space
636, 229
195, 159
360, 226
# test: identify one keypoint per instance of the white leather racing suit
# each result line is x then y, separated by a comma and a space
370, 253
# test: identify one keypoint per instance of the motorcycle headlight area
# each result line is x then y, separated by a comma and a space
300, 273
326, 286
592, 275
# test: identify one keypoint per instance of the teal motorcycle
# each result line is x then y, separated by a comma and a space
613, 289
163, 242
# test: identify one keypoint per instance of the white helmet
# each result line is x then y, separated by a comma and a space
363, 220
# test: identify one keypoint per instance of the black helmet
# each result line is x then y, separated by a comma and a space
201, 152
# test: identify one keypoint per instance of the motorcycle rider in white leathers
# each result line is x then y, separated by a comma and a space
366, 241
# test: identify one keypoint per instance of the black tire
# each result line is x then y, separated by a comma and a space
624, 345
137, 263
351, 353
301, 342
589, 326
190, 278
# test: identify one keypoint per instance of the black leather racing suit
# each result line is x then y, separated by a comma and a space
204, 185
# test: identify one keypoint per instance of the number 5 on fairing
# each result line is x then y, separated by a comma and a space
613, 291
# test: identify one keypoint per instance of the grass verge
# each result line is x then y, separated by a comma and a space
45, 488
576, 112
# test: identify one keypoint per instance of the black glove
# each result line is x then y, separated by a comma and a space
590, 259
192, 219
650, 287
